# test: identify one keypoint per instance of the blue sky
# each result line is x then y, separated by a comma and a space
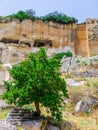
80, 9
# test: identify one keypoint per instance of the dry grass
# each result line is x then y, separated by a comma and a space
3, 113
85, 121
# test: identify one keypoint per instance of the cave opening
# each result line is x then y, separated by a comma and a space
42, 43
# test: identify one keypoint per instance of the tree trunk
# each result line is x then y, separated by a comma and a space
37, 113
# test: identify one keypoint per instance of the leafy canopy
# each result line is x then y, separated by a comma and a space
22, 15
37, 79
59, 56
58, 18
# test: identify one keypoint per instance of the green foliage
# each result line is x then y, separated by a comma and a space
95, 84
29, 107
84, 63
54, 16
37, 78
78, 61
21, 15
59, 56
58, 18
1, 63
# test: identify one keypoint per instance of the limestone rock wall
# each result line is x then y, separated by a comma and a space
92, 27
82, 39
72, 36
81, 46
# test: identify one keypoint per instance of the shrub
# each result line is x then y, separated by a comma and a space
21, 15
59, 56
58, 18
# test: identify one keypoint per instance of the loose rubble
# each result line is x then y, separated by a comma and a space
4, 125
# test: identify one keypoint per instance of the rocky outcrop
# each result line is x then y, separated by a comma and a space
27, 120
92, 27
82, 39
77, 66
86, 104
71, 36
82, 106
87, 74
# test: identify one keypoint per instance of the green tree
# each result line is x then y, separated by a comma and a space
22, 15
58, 18
37, 79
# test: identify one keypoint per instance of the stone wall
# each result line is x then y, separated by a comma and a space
92, 26
71, 36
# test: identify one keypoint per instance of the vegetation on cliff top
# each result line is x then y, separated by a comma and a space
60, 18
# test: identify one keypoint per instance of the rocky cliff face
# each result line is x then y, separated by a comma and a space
20, 38
92, 27
71, 36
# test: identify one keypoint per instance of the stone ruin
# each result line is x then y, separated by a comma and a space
27, 120
16, 116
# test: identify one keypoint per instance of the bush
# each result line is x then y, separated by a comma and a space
58, 18
21, 15
59, 56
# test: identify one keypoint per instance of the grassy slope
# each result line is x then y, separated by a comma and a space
86, 121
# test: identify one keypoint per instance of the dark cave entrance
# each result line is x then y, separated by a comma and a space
42, 43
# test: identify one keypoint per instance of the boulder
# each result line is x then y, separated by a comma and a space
92, 101
86, 104
82, 106
68, 126
51, 127
32, 125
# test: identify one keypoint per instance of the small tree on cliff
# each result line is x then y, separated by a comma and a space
37, 79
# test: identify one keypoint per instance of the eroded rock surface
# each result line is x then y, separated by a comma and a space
86, 104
